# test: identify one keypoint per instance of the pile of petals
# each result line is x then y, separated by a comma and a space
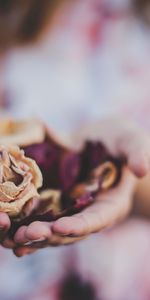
62, 181
71, 180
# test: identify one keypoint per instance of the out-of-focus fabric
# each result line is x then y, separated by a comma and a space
94, 64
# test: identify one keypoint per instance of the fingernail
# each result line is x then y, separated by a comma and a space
29, 243
18, 254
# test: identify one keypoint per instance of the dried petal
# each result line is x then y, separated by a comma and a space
50, 201
71, 179
21, 133
68, 170
17, 185
60, 168
105, 175
46, 156
93, 154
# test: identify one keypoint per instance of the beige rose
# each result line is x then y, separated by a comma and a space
20, 178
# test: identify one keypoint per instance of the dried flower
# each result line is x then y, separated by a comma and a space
20, 178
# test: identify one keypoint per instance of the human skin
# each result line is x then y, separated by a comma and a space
122, 138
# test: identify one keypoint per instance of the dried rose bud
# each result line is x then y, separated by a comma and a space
20, 178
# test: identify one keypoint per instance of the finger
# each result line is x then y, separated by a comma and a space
139, 163
121, 137
54, 241
101, 216
22, 251
105, 212
135, 146
4, 222
4, 225
82, 224
20, 236
36, 231
22, 239
9, 244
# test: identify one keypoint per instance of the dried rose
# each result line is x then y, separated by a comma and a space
20, 177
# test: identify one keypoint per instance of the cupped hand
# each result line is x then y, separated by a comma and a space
109, 209
122, 138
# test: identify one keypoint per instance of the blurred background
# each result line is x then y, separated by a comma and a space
71, 62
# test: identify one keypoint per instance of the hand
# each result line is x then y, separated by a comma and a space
5, 224
121, 138
109, 209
